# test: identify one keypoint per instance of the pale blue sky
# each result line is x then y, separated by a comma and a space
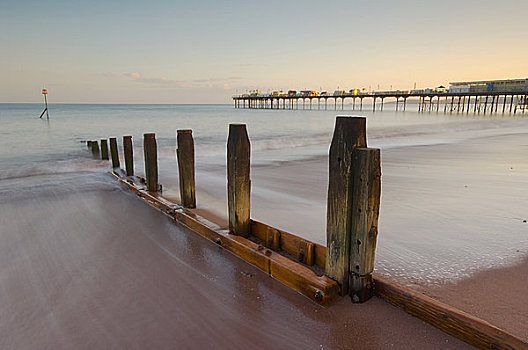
205, 51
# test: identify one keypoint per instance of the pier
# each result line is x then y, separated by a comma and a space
492, 97
498, 102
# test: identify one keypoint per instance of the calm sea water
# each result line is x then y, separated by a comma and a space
47, 158
30, 146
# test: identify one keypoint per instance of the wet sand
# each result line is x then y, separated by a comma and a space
451, 223
498, 296
100, 269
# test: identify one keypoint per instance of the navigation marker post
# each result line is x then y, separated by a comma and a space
45, 93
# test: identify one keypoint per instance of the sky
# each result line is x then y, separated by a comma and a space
205, 51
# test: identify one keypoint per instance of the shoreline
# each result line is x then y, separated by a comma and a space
466, 248
108, 271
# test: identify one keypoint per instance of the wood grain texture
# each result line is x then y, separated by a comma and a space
365, 213
114, 153
128, 151
150, 150
306, 252
288, 242
349, 133
455, 322
185, 156
238, 180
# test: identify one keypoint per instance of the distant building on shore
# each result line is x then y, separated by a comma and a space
508, 85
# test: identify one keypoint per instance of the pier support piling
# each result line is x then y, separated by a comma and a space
185, 155
238, 180
150, 150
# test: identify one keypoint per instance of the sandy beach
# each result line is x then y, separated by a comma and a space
98, 268
84, 263
451, 223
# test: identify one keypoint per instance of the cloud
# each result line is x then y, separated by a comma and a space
164, 82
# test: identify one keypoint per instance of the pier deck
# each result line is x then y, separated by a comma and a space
476, 102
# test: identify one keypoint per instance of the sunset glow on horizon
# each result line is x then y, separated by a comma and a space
207, 51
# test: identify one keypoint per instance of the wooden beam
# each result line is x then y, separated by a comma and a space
324, 290
288, 242
455, 322
364, 228
113, 153
128, 151
238, 179
150, 150
185, 155
319, 289
349, 133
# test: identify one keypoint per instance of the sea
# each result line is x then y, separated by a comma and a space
454, 200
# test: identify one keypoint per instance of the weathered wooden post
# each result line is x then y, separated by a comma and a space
104, 149
89, 144
366, 195
150, 150
349, 133
95, 149
185, 156
238, 180
113, 153
128, 150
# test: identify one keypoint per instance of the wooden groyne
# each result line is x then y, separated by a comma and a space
323, 274
477, 102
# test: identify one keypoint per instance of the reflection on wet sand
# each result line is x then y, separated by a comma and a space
99, 269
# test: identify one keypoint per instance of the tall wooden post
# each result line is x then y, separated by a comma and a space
128, 151
104, 149
349, 133
364, 227
113, 153
238, 179
95, 149
150, 150
185, 155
